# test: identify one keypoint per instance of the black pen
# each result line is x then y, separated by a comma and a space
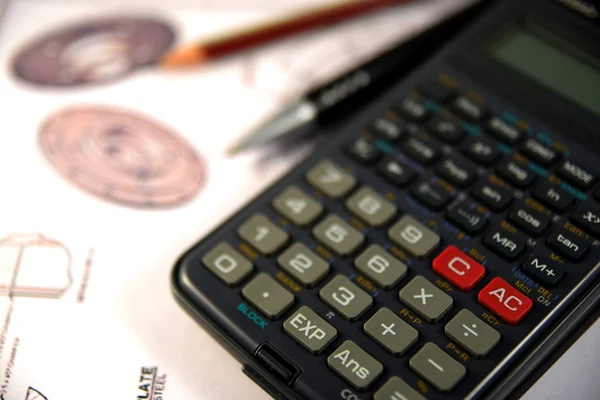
357, 84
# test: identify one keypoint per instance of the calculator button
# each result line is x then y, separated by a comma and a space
310, 330
423, 152
467, 218
331, 179
396, 172
576, 174
504, 131
588, 217
364, 151
262, 234
414, 237
371, 207
264, 293
387, 329
396, 389
531, 221
345, 297
296, 206
457, 171
569, 245
413, 110
467, 108
461, 270
338, 235
544, 270
227, 264
516, 173
480, 150
505, 301
432, 195
494, 196
303, 264
437, 367
355, 365
425, 299
388, 130
553, 196
446, 131
477, 337
380, 266
539, 153
506, 244
437, 91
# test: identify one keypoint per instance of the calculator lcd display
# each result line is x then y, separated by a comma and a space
549, 64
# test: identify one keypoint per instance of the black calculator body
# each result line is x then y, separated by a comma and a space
441, 244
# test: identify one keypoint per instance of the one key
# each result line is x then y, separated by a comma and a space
506, 244
445, 130
297, 206
437, 367
504, 131
505, 301
544, 270
364, 151
380, 266
467, 108
346, 298
539, 153
388, 130
569, 245
338, 235
480, 150
227, 264
310, 330
414, 237
531, 221
264, 293
553, 197
371, 207
437, 91
262, 234
588, 218
413, 110
472, 333
355, 365
467, 218
432, 195
461, 270
423, 152
303, 264
494, 196
391, 332
516, 173
396, 389
576, 174
331, 179
396, 172
425, 299
457, 171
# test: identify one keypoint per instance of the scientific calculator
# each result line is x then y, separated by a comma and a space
444, 240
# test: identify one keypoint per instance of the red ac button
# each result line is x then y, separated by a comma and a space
505, 301
458, 268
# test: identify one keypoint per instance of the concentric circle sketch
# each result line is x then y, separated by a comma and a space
34, 265
94, 51
121, 156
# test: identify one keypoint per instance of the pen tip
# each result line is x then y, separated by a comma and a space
184, 57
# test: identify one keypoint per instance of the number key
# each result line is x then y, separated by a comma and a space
295, 205
331, 179
338, 235
380, 266
262, 234
303, 264
227, 264
414, 237
346, 298
371, 207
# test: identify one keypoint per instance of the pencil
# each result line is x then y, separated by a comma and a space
232, 42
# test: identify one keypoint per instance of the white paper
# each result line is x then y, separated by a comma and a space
105, 312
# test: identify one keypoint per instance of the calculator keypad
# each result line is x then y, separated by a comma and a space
380, 266
355, 365
303, 264
414, 237
295, 205
425, 299
472, 333
262, 234
437, 367
371, 207
387, 329
338, 235
345, 297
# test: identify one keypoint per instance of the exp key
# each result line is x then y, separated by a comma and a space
310, 330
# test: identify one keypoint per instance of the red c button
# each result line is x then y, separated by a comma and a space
458, 268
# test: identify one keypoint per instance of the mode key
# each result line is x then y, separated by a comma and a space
577, 175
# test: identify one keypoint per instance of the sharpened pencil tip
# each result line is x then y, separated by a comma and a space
183, 57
